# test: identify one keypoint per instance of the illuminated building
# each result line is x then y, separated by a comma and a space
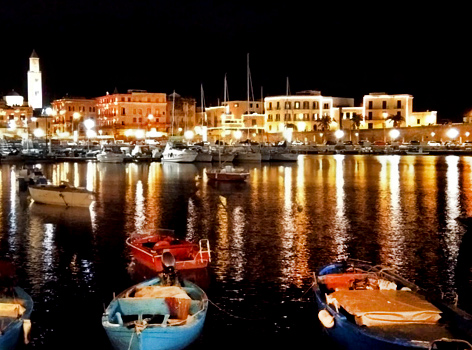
122, 115
69, 113
234, 115
181, 113
305, 111
35, 98
15, 115
379, 108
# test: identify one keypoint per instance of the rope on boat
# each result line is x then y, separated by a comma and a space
235, 316
130, 341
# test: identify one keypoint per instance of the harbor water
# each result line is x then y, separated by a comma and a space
267, 236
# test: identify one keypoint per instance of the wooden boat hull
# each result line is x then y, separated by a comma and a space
188, 256
56, 195
156, 336
341, 327
221, 176
13, 328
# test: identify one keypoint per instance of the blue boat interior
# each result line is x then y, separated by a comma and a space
124, 311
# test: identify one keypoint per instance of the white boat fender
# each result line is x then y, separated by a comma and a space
326, 319
27, 330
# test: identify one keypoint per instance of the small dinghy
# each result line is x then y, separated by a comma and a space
15, 310
148, 250
159, 314
63, 194
362, 306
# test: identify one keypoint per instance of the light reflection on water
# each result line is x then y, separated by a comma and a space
267, 235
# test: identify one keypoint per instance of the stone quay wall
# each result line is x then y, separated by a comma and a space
407, 134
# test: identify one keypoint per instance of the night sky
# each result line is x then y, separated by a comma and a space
87, 48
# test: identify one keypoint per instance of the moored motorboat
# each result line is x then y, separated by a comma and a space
362, 306
227, 173
154, 315
63, 194
148, 250
30, 176
178, 152
283, 155
111, 154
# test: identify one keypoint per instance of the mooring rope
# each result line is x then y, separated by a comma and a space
235, 316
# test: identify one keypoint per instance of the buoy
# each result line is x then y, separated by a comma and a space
26, 330
326, 319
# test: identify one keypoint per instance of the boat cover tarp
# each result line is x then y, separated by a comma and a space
11, 310
385, 307
161, 292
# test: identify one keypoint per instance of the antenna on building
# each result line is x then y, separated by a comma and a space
287, 92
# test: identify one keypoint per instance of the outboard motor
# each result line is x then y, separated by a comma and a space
168, 264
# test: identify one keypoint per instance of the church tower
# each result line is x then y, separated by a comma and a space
35, 95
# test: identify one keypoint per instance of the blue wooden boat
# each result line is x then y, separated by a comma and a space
362, 306
15, 311
155, 316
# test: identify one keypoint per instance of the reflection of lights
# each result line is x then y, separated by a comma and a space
341, 222
140, 218
453, 208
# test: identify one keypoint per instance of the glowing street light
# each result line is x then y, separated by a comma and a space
452, 133
339, 134
238, 134
189, 134
394, 133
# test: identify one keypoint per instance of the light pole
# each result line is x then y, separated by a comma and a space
89, 124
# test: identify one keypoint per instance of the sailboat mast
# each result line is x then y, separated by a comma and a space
173, 111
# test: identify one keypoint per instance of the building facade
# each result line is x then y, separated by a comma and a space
381, 110
68, 116
305, 111
15, 116
181, 114
137, 111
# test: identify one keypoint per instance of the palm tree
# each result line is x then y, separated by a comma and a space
396, 118
356, 121
324, 122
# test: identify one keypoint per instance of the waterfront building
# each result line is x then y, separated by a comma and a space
68, 116
379, 110
181, 114
15, 116
135, 114
305, 111
232, 116
35, 94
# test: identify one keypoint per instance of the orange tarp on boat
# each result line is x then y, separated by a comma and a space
385, 307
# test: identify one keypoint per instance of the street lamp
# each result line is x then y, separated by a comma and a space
339, 134
89, 124
394, 133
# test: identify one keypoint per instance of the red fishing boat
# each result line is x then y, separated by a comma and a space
148, 250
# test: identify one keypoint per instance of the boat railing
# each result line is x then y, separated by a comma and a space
204, 245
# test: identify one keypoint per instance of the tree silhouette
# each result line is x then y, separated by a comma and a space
324, 122
396, 118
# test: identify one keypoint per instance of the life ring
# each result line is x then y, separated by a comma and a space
326, 319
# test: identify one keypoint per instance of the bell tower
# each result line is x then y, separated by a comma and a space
35, 95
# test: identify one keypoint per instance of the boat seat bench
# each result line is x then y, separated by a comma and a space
147, 306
